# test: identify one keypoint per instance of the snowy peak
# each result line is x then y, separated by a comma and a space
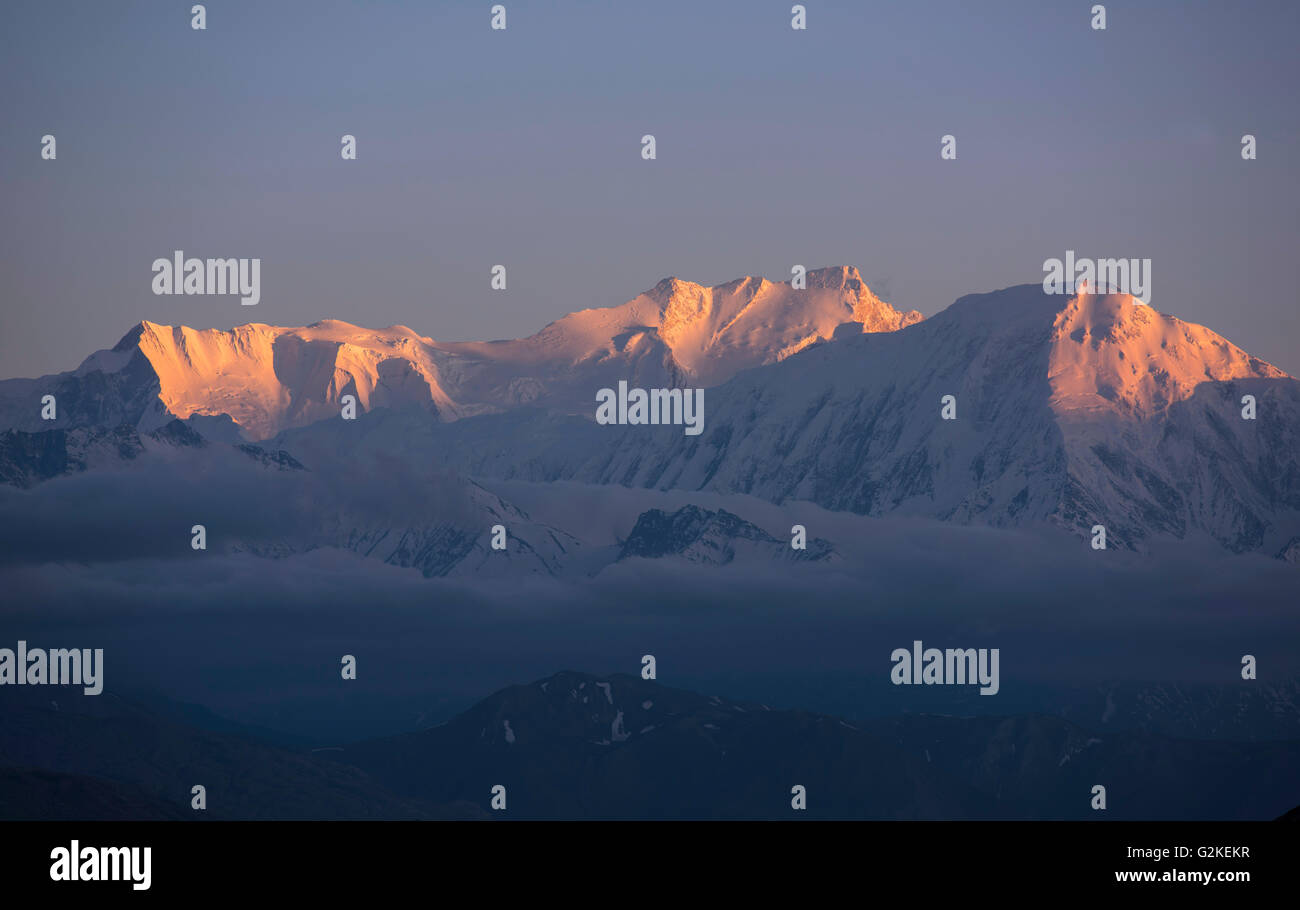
673, 289
837, 278
712, 537
1112, 353
267, 378
715, 332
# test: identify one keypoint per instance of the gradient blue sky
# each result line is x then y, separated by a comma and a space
523, 148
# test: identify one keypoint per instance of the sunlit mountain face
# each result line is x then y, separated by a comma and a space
1010, 408
269, 378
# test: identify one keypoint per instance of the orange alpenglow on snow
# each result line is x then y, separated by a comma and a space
269, 378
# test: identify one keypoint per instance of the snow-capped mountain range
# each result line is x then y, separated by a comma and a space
269, 378
1076, 411
1072, 411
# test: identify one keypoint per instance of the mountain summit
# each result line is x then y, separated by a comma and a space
269, 378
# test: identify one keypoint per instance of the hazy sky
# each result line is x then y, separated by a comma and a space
522, 147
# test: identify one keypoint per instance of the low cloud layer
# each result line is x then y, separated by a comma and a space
261, 639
